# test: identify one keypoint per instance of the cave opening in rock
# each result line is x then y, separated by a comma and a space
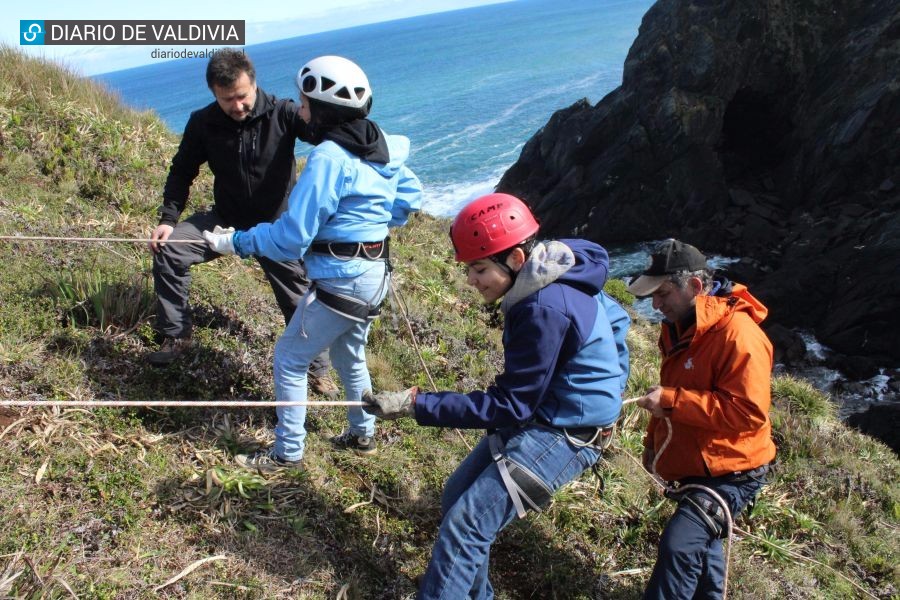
753, 130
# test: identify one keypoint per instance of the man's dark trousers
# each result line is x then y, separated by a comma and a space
691, 562
172, 278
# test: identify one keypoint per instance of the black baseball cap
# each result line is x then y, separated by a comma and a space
668, 258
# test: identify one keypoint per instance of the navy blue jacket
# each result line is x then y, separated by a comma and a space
562, 362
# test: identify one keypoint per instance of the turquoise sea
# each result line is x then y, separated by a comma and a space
468, 87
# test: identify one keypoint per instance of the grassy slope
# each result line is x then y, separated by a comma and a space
112, 503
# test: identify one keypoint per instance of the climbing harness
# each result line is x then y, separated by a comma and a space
711, 512
346, 306
354, 250
524, 487
597, 437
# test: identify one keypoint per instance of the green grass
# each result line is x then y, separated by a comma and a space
112, 503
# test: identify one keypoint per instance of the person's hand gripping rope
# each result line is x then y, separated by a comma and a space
390, 405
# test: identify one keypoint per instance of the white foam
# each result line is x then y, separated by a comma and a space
472, 132
718, 262
447, 200
813, 347
879, 384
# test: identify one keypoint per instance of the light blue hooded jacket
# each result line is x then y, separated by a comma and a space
338, 198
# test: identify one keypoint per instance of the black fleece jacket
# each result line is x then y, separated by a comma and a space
252, 161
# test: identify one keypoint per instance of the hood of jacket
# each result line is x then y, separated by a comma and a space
576, 263
398, 150
360, 137
727, 299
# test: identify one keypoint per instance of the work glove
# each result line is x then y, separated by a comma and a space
390, 405
220, 240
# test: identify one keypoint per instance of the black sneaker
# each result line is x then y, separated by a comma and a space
265, 461
168, 351
360, 444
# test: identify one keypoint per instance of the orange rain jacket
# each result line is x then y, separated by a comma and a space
716, 379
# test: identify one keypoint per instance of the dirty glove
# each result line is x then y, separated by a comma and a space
220, 240
390, 405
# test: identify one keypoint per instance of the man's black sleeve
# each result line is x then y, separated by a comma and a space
184, 169
296, 125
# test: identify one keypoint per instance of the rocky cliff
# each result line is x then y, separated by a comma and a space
761, 129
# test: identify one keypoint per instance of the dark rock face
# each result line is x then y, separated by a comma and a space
789, 347
881, 421
763, 129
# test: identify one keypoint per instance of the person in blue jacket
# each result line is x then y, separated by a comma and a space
354, 188
549, 414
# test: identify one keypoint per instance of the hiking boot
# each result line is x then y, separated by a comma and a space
360, 444
168, 351
324, 385
265, 460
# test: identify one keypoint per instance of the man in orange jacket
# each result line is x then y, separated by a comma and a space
715, 391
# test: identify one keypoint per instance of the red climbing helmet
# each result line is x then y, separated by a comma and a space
491, 224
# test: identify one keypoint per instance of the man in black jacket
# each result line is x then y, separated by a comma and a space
247, 138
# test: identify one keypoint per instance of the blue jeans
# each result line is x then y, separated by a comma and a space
690, 561
477, 507
313, 328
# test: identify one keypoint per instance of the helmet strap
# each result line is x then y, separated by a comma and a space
500, 260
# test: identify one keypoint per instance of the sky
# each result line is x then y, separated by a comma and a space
265, 22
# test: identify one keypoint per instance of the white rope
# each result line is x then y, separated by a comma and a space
160, 403
46, 238
401, 305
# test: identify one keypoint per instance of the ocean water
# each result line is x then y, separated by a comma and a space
468, 87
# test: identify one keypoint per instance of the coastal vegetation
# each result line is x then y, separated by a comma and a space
142, 503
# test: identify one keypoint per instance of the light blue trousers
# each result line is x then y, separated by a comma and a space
313, 328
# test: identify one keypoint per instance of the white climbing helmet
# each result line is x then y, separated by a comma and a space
335, 80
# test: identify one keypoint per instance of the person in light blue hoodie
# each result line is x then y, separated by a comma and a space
355, 186
549, 414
